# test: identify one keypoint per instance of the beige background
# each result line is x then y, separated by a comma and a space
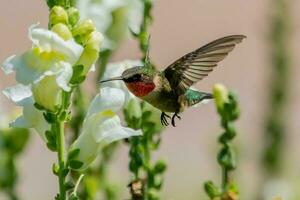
179, 27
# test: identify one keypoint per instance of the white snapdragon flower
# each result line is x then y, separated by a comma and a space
277, 189
113, 17
101, 125
46, 67
116, 69
31, 118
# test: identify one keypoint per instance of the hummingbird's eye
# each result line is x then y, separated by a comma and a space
134, 78
137, 77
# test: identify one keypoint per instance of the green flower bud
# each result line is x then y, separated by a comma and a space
62, 30
160, 166
58, 15
220, 94
91, 51
153, 194
84, 28
74, 15
226, 158
211, 190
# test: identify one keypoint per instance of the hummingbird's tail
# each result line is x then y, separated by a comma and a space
195, 98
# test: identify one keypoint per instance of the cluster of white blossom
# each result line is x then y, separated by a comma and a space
45, 70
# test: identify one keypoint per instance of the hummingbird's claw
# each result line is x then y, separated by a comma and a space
173, 119
163, 119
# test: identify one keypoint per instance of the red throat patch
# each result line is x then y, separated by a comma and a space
140, 88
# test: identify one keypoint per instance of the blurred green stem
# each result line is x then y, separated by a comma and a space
280, 55
13, 141
140, 147
228, 110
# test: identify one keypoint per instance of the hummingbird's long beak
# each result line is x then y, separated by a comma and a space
112, 79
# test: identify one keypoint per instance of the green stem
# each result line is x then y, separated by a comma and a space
60, 141
225, 178
61, 158
77, 183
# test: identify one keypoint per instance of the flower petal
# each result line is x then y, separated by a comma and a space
135, 15
17, 93
64, 76
31, 118
111, 130
7, 65
108, 99
50, 41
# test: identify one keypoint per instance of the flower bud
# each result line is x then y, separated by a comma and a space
58, 15
220, 94
226, 158
83, 28
211, 190
160, 166
47, 93
91, 51
62, 30
153, 194
74, 15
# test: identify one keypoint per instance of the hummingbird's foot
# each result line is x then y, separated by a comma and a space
173, 119
163, 119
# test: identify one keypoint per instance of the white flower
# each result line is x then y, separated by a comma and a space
116, 69
47, 66
101, 125
277, 188
112, 15
31, 118
135, 15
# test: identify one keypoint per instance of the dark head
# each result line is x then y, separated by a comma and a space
135, 74
139, 80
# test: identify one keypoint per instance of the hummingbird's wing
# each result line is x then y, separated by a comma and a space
194, 66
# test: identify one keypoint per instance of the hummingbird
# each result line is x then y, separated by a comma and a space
169, 90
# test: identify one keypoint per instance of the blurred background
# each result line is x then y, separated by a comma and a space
190, 149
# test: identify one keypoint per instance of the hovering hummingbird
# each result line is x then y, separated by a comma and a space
169, 90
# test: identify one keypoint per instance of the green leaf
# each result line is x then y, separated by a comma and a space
50, 136
69, 185
211, 190
49, 117
38, 106
73, 154
51, 3
52, 146
78, 80
65, 172
75, 164
146, 115
62, 116
57, 197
